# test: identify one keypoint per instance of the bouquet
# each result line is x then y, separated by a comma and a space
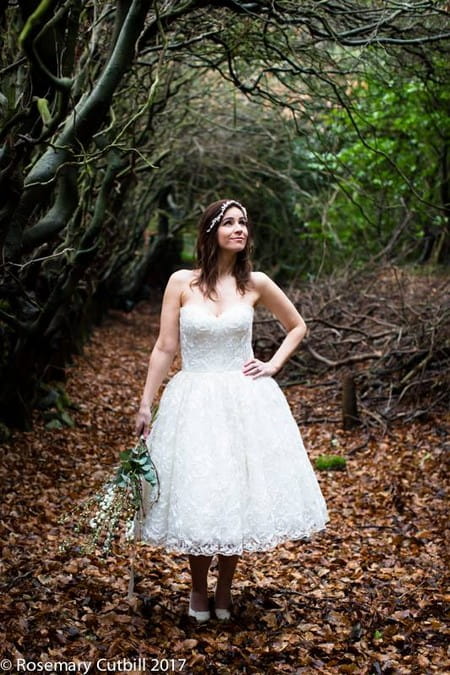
119, 503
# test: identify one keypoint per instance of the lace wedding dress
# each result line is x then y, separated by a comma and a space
234, 475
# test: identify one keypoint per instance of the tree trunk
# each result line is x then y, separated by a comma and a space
350, 417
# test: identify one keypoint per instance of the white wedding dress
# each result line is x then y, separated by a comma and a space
234, 475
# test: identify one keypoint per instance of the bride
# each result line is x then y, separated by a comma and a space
234, 474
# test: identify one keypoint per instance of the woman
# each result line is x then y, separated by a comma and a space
234, 475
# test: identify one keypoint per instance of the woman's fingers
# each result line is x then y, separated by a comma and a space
142, 425
249, 367
254, 368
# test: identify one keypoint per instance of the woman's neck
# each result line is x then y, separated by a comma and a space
225, 264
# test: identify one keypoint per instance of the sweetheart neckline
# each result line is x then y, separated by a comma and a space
217, 316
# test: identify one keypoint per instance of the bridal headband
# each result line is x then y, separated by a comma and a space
223, 208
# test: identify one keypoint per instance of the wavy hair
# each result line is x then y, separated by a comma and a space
208, 252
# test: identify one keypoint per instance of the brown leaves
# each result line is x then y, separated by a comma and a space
365, 596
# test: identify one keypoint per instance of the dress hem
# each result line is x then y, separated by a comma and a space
180, 547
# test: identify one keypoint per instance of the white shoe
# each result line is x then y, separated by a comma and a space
200, 615
222, 614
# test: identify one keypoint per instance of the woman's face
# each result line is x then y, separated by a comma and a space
232, 232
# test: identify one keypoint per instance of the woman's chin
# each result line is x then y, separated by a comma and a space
235, 246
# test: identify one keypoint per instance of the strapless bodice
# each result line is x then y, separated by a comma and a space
212, 343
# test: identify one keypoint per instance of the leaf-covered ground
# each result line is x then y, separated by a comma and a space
365, 596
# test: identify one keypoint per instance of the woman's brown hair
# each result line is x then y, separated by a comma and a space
208, 252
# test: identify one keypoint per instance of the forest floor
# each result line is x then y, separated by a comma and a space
364, 596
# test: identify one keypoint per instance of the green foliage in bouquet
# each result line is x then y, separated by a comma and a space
136, 464
330, 462
118, 504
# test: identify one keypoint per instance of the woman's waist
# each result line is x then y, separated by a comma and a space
211, 368
214, 363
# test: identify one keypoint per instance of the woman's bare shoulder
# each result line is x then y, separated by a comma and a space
259, 280
180, 284
181, 277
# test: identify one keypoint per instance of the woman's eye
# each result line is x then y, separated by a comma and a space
228, 223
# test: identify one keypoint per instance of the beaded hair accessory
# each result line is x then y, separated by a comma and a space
226, 205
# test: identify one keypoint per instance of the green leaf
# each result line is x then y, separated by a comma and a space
150, 477
67, 419
54, 424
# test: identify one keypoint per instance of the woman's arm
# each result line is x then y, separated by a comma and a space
163, 352
277, 302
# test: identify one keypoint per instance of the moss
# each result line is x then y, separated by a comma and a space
330, 463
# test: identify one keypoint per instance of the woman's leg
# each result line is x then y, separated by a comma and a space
227, 565
199, 565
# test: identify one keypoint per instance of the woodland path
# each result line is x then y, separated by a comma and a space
365, 596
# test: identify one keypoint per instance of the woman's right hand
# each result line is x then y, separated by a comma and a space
143, 422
